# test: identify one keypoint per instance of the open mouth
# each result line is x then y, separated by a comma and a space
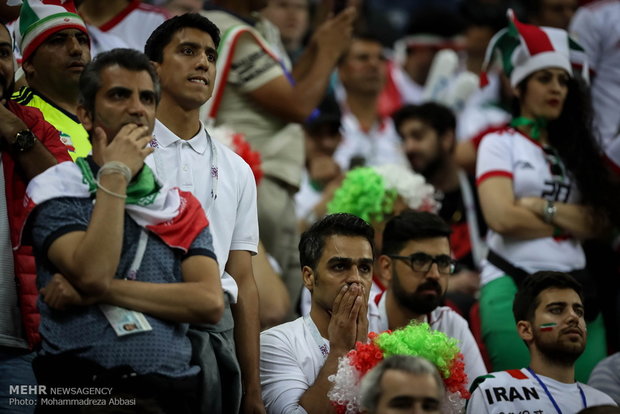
199, 80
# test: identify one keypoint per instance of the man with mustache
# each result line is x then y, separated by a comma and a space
28, 146
416, 259
548, 308
55, 47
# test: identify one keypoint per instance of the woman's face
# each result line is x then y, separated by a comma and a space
544, 94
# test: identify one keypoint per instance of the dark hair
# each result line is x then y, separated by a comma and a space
439, 117
412, 225
601, 409
130, 59
527, 297
312, 241
364, 36
161, 36
571, 135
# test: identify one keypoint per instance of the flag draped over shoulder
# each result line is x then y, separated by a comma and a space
175, 216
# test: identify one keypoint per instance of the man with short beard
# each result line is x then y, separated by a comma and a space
416, 259
548, 308
428, 140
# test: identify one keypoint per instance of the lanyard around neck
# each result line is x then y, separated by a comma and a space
555, 404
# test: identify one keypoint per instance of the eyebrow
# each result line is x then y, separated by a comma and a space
6, 44
579, 305
399, 399
349, 260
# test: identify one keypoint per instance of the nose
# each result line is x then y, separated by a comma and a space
202, 61
433, 272
74, 46
136, 106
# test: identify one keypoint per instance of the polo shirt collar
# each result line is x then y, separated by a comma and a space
165, 138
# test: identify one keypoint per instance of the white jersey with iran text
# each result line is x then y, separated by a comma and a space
509, 153
517, 391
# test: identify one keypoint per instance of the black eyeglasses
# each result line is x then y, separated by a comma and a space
422, 262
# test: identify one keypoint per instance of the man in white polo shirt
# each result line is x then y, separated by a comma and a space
183, 50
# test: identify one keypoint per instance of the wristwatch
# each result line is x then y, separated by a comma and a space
24, 141
549, 212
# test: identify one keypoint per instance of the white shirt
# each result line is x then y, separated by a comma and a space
232, 215
379, 146
517, 391
444, 319
291, 356
509, 153
595, 26
135, 23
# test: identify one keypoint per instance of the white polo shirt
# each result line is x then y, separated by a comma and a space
223, 184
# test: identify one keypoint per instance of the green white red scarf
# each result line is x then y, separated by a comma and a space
175, 216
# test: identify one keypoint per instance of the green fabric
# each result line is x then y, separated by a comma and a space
141, 191
535, 125
507, 350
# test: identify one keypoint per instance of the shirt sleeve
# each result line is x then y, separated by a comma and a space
202, 245
474, 364
245, 233
252, 67
57, 217
476, 404
282, 380
494, 157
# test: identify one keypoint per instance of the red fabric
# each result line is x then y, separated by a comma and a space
490, 174
15, 183
134, 4
536, 40
516, 374
181, 231
390, 98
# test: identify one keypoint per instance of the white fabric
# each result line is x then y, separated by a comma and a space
481, 112
290, 361
10, 321
306, 198
596, 28
510, 153
379, 146
136, 27
410, 91
444, 319
502, 393
605, 376
232, 218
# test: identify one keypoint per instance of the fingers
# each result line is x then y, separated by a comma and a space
338, 299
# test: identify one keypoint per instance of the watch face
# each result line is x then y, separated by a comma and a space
24, 140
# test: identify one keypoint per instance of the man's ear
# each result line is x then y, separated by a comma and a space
516, 91
308, 277
28, 68
156, 65
525, 331
384, 267
85, 118
448, 141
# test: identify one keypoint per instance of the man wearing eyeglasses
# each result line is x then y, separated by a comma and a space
416, 259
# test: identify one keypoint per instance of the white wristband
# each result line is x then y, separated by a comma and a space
115, 167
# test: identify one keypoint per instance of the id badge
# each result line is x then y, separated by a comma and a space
125, 321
